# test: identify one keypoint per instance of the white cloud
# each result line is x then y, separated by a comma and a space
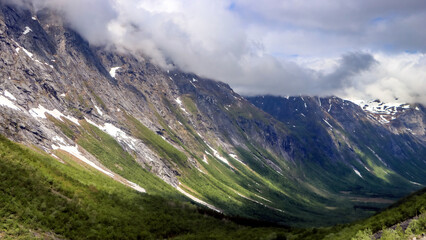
278, 47
400, 76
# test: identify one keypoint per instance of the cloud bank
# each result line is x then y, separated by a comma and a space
368, 49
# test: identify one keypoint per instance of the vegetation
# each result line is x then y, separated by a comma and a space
43, 198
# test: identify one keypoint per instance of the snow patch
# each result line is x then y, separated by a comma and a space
415, 183
27, 30
217, 155
27, 52
59, 140
7, 103
205, 159
116, 133
197, 200
113, 71
73, 150
179, 102
136, 187
40, 112
9, 95
357, 172
328, 123
99, 110
236, 158
379, 107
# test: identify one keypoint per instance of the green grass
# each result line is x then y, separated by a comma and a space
158, 144
106, 149
42, 197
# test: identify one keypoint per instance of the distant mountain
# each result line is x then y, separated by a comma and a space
301, 161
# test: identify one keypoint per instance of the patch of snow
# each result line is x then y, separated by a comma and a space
60, 160
197, 200
40, 112
27, 30
417, 108
383, 120
73, 150
357, 172
59, 140
99, 110
328, 123
116, 133
217, 155
379, 107
205, 159
415, 183
34, 18
113, 71
9, 95
179, 102
136, 187
63, 95
7, 103
28, 53
236, 158
255, 201
194, 80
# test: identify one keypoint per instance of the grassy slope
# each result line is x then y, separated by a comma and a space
405, 208
42, 197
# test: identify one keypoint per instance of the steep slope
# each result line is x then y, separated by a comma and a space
173, 134
43, 198
348, 134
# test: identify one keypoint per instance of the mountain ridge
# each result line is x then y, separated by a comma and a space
170, 132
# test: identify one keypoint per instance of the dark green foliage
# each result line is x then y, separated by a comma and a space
42, 197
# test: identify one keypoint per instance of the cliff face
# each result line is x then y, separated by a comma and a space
293, 162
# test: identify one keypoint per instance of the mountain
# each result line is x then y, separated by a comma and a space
169, 134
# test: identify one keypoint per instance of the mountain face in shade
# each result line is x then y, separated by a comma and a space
300, 161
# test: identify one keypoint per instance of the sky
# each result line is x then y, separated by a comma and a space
353, 49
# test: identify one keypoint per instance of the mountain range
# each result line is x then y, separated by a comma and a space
114, 120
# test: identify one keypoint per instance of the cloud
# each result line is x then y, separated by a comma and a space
401, 76
280, 47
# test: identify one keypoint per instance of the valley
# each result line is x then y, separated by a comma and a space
104, 144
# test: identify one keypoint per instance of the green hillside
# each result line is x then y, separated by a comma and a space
43, 198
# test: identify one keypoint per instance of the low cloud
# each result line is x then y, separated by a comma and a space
268, 47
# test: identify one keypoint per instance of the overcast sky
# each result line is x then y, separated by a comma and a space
360, 49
